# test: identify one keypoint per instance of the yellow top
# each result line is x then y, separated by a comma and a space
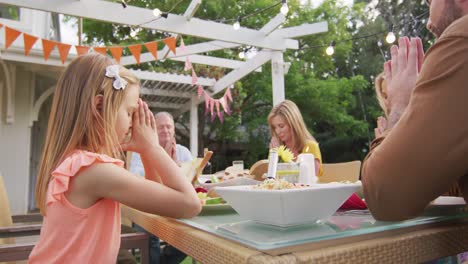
313, 148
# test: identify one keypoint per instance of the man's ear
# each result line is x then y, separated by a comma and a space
98, 103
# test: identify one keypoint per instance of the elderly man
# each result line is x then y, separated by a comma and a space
424, 150
166, 135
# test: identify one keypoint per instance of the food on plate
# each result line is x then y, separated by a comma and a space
207, 200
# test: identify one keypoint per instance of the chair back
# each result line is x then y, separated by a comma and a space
5, 213
344, 171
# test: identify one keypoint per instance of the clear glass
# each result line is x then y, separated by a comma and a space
238, 165
230, 225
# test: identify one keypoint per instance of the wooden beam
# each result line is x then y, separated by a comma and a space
173, 78
136, 16
159, 92
302, 30
192, 8
249, 66
273, 24
163, 105
214, 61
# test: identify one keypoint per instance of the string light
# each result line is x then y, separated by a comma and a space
390, 38
236, 24
284, 8
124, 5
242, 54
156, 12
331, 49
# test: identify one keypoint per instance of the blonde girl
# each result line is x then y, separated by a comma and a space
96, 115
287, 128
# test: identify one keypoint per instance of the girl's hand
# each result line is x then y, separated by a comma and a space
144, 133
274, 142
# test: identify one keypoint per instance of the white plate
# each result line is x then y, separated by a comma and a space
234, 182
448, 201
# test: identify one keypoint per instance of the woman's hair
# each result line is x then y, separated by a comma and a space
290, 112
76, 121
380, 93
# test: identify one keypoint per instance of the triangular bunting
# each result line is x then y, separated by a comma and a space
116, 53
47, 47
188, 64
221, 116
171, 44
29, 41
200, 90
228, 94
153, 48
10, 36
63, 51
136, 51
212, 103
207, 103
101, 50
182, 45
1, 25
194, 77
217, 106
82, 50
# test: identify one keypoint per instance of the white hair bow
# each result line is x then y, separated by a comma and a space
112, 71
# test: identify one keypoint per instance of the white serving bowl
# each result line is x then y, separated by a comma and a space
288, 207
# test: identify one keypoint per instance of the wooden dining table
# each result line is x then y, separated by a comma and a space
422, 239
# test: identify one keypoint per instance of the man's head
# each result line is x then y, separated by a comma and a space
443, 13
165, 127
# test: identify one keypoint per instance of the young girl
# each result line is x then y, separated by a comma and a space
95, 116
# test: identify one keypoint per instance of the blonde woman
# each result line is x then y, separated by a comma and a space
96, 115
287, 128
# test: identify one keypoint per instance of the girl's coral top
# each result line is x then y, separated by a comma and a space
74, 235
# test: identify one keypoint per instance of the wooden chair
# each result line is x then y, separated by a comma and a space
18, 239
344, 171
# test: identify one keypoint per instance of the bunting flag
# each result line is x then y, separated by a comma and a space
1, 25
182, 45
152, 48
194, 77
171, 44
82, 50
136, 51
116, 52
188, 64
212, 106
29, 41
63, 51
228, 94
101, 50
10, 36
200, 90
207, 103
221, 116
47, 47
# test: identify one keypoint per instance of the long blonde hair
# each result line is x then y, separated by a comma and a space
74, 120
290, 112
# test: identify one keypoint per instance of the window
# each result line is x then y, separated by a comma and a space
9, 12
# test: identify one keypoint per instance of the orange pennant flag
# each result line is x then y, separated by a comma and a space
171, 43
63, 51
116, 53
81, 50
47, 47
1, 25
29, 41
10, 36
136, 51
153, 48
102, 50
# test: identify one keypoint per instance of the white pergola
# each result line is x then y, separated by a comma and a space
171, 91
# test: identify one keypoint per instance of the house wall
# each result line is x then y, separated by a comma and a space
15, 145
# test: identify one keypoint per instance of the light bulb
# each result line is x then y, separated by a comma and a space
284, 9
242, 54
236, 25
330, 50
156, 12
390, 38
133, 33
